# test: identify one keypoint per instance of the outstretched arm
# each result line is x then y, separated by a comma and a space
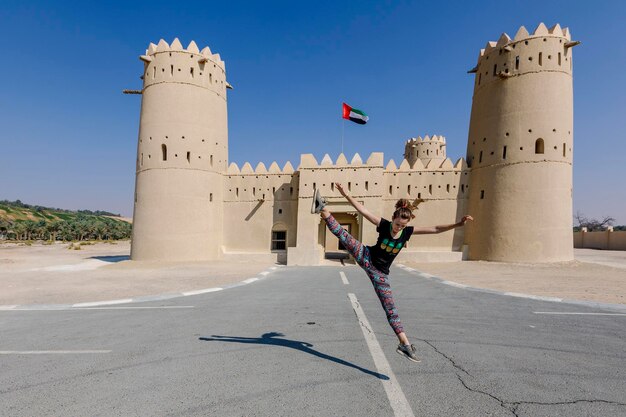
375, 220
443, 228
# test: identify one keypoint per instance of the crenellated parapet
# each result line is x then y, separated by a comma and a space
358, 177
260, 183
171, 63
431, 179
308, 161
543, 50
425, 148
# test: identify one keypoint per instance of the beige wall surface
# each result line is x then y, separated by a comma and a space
607, 240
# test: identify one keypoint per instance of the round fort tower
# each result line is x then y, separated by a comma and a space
181, 154
520, 149
425, 149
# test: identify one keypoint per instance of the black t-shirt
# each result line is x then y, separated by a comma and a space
387, 248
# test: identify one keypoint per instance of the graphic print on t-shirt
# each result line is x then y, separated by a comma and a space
391, 246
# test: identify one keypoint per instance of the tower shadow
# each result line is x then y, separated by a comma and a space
273, 339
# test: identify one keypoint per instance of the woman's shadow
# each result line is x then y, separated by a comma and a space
273, 338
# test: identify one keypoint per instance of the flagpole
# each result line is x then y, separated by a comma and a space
343, 123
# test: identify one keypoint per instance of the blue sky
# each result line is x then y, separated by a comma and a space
68, 135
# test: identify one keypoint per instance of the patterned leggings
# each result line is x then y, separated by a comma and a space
379, 280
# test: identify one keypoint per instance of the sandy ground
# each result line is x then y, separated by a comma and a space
41, 274
594, 276
52, 274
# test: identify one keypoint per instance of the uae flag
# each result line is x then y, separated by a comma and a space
356, 115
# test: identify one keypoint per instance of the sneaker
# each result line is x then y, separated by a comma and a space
408, 352
319, 202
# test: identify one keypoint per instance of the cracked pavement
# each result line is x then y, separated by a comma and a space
291, 344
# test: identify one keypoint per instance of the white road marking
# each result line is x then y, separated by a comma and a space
454, 284
273, 268
249, 280
206, 290
8, 307
398, 401
103, 303
533, 297
100, 308
531, 326
343, 278
263, 273
50, 352
578, 314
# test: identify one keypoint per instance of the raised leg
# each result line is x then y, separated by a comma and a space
354, 247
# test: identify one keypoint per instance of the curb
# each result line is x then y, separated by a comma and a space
593, 304
138, 299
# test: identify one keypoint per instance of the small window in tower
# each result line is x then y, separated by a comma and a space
408, 189
390, 189
171, 70
504, 153
142, 158
540, 59
448, 187
273, 190
564, 149
253, 190
430, 189
211, 197
495, 68
211, 160
349, 186
427, 151
539, 146
419, 195
290, 190
164, 151
154, 72
482, 194
237, 191
332, 186
188, 157
559, 58
462, 188
211, 78
480, 157
437, 151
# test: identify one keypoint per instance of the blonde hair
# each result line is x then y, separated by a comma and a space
404, 208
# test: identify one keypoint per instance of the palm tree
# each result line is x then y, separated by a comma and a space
30, 228
53, 228
19, 229
4, 228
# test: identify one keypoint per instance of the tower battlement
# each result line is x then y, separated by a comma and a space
172, 63
543, 50
425, 148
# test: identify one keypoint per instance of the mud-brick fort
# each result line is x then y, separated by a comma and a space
516, 179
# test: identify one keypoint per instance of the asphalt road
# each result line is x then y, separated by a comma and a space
303, 342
